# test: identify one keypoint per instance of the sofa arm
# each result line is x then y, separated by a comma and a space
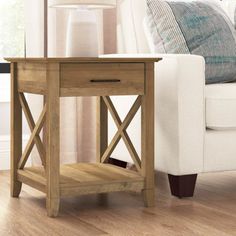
179, 114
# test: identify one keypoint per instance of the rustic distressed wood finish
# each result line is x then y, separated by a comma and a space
212, 211
64, 77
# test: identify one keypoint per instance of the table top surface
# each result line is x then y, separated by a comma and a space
83, 59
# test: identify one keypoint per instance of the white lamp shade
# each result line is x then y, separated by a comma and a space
88, 3
82, 34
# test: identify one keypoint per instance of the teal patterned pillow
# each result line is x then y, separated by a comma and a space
196, 27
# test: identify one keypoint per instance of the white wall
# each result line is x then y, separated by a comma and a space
35, 46
34, 26
5, 123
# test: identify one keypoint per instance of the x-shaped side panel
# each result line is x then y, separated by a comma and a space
122, 133
35, 129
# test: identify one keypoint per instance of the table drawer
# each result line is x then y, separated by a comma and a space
101, 79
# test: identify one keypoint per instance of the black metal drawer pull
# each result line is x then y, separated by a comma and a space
105, 81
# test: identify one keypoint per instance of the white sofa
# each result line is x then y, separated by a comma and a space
195, 123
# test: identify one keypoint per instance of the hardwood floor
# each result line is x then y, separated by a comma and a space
211, 212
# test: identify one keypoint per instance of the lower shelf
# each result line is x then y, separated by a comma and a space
85, 178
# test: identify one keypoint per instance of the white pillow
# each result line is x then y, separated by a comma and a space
229, 7
151, 43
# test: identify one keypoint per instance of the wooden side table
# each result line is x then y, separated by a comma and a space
66, 77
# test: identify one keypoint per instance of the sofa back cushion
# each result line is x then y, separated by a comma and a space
131, 37
131, 34
235, 18
196, 27
229, 7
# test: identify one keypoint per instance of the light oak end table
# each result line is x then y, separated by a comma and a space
70, 77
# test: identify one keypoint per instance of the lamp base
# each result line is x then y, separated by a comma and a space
82, 34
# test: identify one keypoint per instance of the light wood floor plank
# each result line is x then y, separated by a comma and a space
211, 212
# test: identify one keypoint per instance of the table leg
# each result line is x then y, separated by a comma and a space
102, 128
16, 132
148, 137
53, 140
44, 128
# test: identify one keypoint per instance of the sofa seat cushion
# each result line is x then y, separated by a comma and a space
221, 106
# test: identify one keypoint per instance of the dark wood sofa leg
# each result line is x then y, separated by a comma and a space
116, 162
182, 186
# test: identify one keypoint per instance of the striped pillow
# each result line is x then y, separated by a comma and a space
235, 18
195, 27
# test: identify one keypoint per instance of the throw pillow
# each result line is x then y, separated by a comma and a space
195, 27
235, 18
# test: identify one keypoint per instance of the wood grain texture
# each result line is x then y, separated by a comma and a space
147, 135
53, 138
32, 77
211, 212
98, 79
31, 124
101, 128
115, 140
32, 179
81, 60
83, 178
88, 77
129, 145
31, 143
16, 132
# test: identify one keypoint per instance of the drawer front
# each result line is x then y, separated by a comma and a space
101, 79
